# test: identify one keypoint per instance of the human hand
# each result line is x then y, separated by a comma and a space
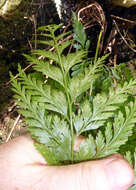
23, 168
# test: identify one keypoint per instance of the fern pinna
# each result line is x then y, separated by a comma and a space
59, 106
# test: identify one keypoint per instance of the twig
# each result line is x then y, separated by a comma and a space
31, 47
123, 37
123, 19
13, 127
115, 64
16, 76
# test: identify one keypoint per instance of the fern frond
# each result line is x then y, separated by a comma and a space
49, 42
83, 81
115, 135
132, 188
49, 70
56, 104
101, 60
62, 46
40, 92
122, 129
128, 157
47, 54
104, 107
72, 59
52, 28
46, 68
53, 40
59, 142
80, 34
86, 150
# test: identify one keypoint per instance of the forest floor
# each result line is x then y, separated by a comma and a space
11, 123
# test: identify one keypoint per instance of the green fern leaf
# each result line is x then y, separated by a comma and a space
72, 59
114, 137
56, 104
108, 133
132, 188
104, 106
39, 92
47, 54
62, 46
48, 154
122, 130
100, 142
46, 68
80, 34
58, 142
52, 28
128, 157
86, 150
49, 70
83, 81
49, 42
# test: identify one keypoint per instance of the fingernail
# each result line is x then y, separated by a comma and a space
120, 174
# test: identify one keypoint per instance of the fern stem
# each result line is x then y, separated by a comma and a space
68, 99
70, 112
71, 128
97, 47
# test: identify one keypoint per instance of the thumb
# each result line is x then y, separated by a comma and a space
111, 173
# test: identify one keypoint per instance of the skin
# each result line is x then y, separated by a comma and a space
23, 168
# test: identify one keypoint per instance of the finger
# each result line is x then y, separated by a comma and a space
21, 149
93, 175
112, 173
